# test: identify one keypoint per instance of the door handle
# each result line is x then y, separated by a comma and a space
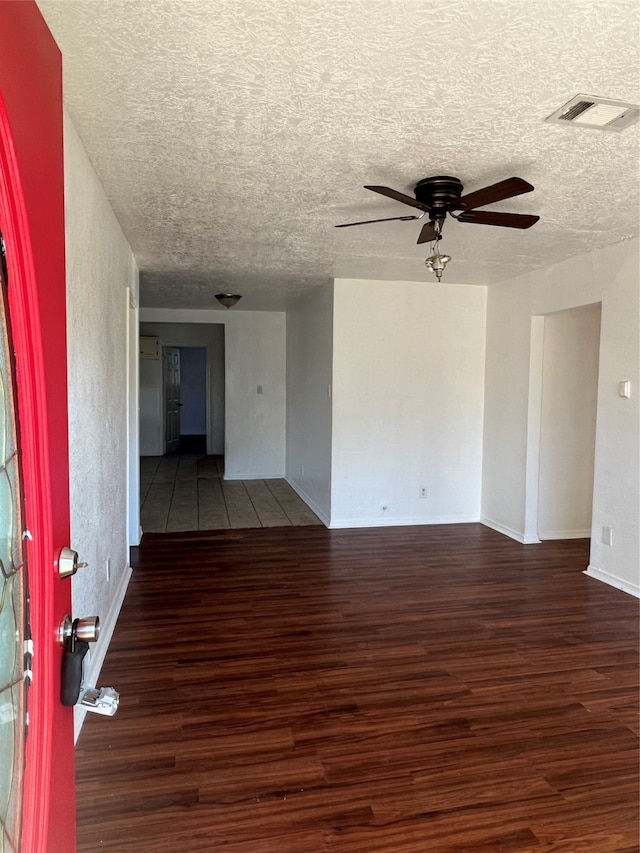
75, 636
72, 663
86, 629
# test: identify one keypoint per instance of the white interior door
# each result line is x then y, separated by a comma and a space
171, 360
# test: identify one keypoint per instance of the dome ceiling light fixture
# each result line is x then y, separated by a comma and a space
436, 263
228, 299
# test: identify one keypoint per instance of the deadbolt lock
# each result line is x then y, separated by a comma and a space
68, 563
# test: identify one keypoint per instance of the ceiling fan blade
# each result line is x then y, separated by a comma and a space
401, 197
428, 233
496, 192
369, 221
506, 220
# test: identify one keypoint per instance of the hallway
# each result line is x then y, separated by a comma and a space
183, 492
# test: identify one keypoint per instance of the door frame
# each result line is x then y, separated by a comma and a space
181, 338
534, 422
134, 530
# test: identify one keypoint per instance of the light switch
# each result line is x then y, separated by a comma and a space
259, 389
624, 388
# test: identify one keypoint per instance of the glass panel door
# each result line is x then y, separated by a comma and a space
13, 595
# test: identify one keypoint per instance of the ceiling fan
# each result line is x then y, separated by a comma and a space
442, 195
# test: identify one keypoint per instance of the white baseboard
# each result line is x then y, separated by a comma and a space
99, 651
612, 580
240, 475
324, 518
508, 531
413, 521
565, 534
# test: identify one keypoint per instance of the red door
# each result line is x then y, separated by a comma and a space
32, 226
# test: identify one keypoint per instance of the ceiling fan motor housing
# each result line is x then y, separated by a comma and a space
439, 193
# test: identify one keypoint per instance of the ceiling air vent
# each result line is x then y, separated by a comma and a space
600, 113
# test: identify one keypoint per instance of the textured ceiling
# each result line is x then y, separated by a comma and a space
231, 135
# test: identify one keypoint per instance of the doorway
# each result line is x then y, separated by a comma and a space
202, 385
568, 406
193, 400
185, 399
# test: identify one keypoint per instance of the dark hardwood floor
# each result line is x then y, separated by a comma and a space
398, 690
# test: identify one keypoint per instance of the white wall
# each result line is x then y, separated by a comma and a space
610, 276
568, 422
101, 273
309, 376
210, 336
255, 355
408, 367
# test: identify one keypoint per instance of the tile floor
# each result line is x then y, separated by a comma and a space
183, 492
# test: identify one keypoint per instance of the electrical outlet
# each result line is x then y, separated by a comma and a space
423, 491
108, 568
607, 536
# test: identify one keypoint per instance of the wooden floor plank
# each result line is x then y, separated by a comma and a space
398, 690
